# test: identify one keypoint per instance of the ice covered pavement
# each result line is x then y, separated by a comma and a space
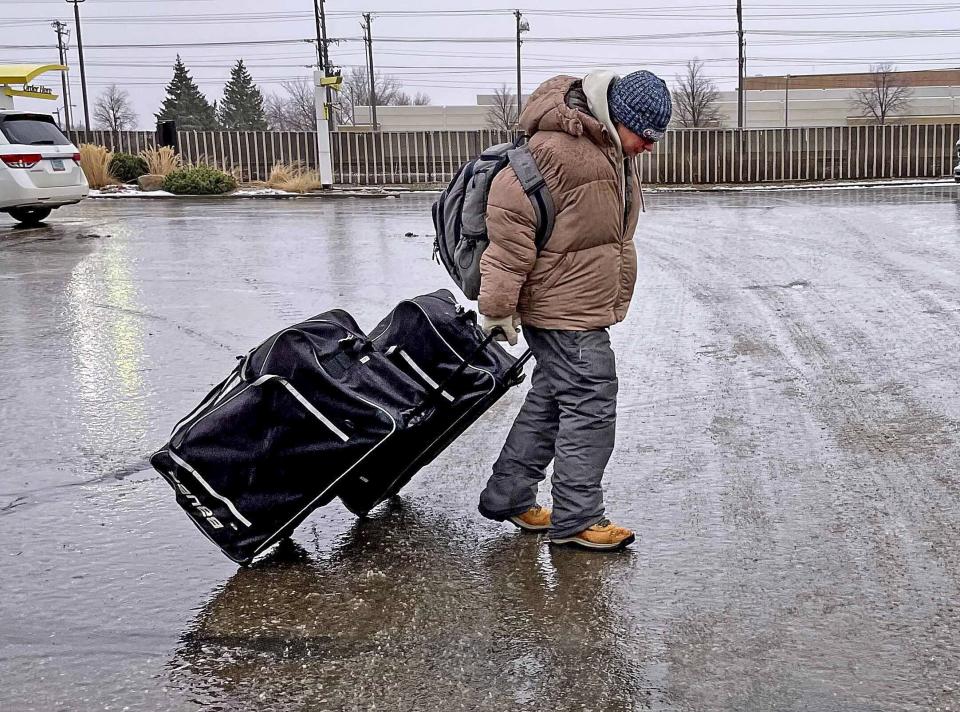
787, 453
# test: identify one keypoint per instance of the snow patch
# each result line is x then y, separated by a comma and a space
253, 192
133, 192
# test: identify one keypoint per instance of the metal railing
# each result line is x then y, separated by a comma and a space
247, 154
684, 156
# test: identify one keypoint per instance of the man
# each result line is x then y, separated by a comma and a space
584, 135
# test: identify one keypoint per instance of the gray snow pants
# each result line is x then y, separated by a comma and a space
570, 417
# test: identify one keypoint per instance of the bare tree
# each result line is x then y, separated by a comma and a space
502, 114
355, 92
275, 109
294, 109
404, 99
695, 98
113, 109
886, 94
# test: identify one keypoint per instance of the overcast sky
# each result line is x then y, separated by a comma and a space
478, 52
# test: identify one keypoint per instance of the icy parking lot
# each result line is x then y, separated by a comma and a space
787, 453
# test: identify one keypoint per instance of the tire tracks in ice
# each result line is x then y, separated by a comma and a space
27, 498
206, 338
868, 418
276, 298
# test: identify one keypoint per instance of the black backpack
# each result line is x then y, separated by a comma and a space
460, 213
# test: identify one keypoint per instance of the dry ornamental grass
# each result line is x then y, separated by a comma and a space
95, 163
161, 161
293, 178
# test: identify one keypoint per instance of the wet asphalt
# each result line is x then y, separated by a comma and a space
787, 453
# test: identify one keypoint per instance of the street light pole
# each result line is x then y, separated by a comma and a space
83, 74
61, 30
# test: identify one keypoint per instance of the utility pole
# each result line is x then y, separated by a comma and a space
522, 26
61, 30
325, 61
83, 74
323, 38
786, 104
741, 65
316, 18
745, 105
373, 91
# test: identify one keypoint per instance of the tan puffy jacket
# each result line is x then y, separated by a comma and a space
584, 277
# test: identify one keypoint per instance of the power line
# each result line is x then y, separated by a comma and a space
174, 45
799, 37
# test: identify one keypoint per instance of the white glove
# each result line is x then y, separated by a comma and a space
509, 324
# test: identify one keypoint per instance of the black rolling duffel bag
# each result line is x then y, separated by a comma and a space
436, 342
320, 410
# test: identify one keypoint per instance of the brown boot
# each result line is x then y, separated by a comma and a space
535, 519
602, 536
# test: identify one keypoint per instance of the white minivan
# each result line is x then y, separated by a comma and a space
39, 167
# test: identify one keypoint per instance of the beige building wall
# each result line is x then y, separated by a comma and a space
834, 107
764, 109
426, 118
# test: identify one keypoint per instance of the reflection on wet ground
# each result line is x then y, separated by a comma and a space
409, 611
787, 453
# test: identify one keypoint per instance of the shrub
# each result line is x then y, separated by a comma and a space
126, 167
293, 178
199, 180
161, 161
95, 164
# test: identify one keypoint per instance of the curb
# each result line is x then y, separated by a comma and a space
820, 185
251, 196
387, 194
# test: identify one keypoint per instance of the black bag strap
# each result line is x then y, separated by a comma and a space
534, 185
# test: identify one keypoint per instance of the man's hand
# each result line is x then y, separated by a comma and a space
509, 325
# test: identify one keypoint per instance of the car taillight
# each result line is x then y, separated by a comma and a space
22, 160
76, 157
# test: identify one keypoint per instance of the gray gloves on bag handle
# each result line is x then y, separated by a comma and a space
509, 324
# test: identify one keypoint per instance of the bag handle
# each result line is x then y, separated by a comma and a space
349, 348
513, 373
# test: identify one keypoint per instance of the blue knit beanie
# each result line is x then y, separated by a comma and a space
641, 102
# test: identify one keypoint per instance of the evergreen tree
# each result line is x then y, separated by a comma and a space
185, 103
241, 107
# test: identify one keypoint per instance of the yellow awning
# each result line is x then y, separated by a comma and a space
25, 73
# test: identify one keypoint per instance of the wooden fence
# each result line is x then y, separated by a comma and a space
684, 156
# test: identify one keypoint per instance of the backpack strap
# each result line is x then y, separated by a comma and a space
534, 185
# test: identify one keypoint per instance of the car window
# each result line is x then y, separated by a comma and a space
32, 131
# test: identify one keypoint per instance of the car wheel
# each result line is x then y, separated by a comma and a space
29, 216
